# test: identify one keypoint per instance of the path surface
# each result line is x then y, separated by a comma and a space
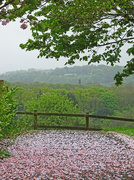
69, 155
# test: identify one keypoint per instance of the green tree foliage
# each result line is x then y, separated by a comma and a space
77, 29
7, 111
125, 96
109, 103
96, 100
54, 101
90, 98
64, 98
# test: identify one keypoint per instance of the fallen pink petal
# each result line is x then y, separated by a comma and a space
64, 155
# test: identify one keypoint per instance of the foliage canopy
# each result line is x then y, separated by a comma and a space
77, 29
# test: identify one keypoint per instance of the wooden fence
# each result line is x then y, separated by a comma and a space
86, 116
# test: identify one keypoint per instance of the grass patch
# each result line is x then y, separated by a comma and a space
124, 130
4, 154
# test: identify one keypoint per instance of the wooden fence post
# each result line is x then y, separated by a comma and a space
1, 86
35, 119
1, 82
87, 120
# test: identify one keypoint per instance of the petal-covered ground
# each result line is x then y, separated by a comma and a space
75, 155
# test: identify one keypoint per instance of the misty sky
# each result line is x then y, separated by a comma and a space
13, 58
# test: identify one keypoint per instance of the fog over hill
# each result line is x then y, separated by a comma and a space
100, 74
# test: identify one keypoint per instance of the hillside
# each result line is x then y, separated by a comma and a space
100, 74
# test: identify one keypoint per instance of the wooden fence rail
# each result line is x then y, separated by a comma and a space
87, 116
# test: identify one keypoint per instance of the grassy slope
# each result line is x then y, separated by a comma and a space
122, 130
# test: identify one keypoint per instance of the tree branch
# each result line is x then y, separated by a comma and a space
126, 39
6, 3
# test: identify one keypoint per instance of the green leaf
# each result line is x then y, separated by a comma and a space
30, 17
4, 154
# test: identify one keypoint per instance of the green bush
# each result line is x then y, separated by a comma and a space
7, 111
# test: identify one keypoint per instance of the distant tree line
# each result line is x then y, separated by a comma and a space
73, 75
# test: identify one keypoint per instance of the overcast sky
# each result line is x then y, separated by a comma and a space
12, 58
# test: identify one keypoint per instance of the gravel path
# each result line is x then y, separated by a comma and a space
69, 155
